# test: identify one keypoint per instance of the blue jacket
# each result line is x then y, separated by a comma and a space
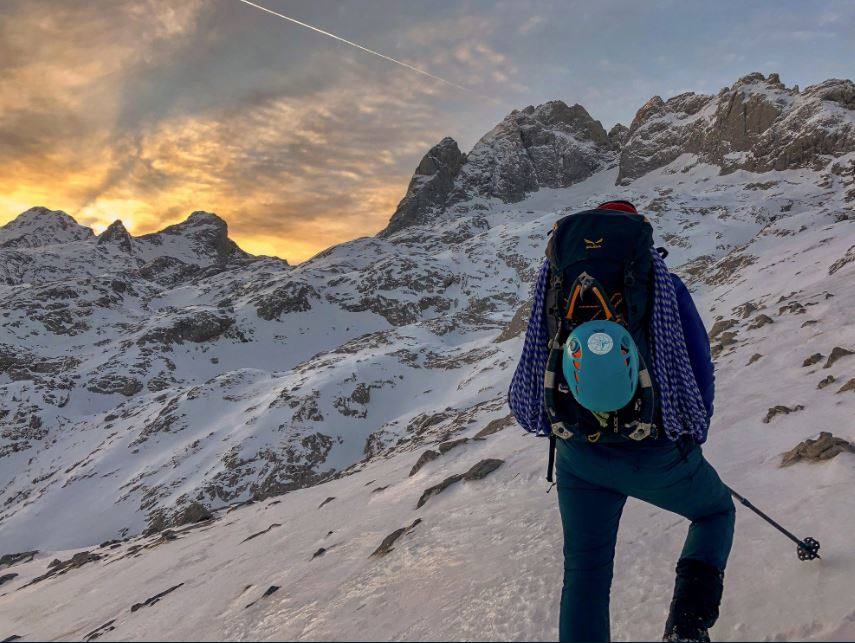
697, 343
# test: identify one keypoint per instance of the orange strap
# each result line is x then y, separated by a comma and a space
576, 291
575, 297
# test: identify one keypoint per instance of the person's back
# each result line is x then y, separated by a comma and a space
616, 369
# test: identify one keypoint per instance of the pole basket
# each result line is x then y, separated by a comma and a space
808, 549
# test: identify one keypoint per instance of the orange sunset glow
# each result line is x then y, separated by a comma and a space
147, 111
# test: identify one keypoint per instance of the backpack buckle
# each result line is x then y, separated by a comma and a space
642, 431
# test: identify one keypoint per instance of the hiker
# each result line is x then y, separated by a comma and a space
616, 370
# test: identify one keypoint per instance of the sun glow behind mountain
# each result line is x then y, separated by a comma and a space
145, 112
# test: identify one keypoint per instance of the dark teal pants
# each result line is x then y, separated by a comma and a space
594, 481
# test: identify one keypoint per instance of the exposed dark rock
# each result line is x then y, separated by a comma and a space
825, 447
199, 327
745, 310
476, 472
618, 135
61, 567
483, 469
849, 386
157, 522
116, 236
836, 353
438, 488
759, 321
846, 259
99, 631
114, 383
793, 307
5, 578
720, 326
379, 489
517, 325
330, 499
424, 458
429, 188
7, 560
260, 533
192, 513
826, 381
727, 338
293, 297
494, 426
319, 553
269, 591
780, 409
155, 599
445, 447
387, 545
813, 359
754, 358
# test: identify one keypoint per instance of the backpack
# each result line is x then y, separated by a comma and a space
601, 268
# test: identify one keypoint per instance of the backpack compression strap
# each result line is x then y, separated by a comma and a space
644, 427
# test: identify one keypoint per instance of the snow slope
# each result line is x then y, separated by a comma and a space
209, 375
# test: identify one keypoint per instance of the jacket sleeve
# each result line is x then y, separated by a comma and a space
697, 343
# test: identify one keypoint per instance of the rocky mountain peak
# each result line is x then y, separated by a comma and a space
207, 234
430, 186
835, 90
557, 115
756, 124
552, 145
40, 226
116, 235
618, 135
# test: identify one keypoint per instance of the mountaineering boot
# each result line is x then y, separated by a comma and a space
697, 596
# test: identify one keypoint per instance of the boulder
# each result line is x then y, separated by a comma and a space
779, 410
820, 449
387, 544
424, 458
837, 353
813, 359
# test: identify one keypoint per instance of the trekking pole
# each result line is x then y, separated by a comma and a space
807, 549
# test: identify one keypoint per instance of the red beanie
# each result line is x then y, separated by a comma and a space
623, 206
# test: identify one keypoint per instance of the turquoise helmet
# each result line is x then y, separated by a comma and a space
600, 364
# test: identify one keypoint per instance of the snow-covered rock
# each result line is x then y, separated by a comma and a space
39, 227
757, 124
141, 375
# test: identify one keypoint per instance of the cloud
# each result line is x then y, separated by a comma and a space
148, 109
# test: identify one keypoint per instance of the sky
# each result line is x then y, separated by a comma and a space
146, 110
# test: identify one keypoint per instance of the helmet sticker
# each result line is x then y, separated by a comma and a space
600, 343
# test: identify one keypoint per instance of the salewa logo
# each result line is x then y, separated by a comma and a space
593, 245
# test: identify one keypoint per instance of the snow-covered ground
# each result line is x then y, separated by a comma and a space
264, 390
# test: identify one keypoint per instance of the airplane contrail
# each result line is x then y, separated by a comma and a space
358, 46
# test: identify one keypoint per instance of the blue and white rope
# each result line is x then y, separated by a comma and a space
525, 395
683, 410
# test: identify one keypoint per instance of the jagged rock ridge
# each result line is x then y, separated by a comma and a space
137, 382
